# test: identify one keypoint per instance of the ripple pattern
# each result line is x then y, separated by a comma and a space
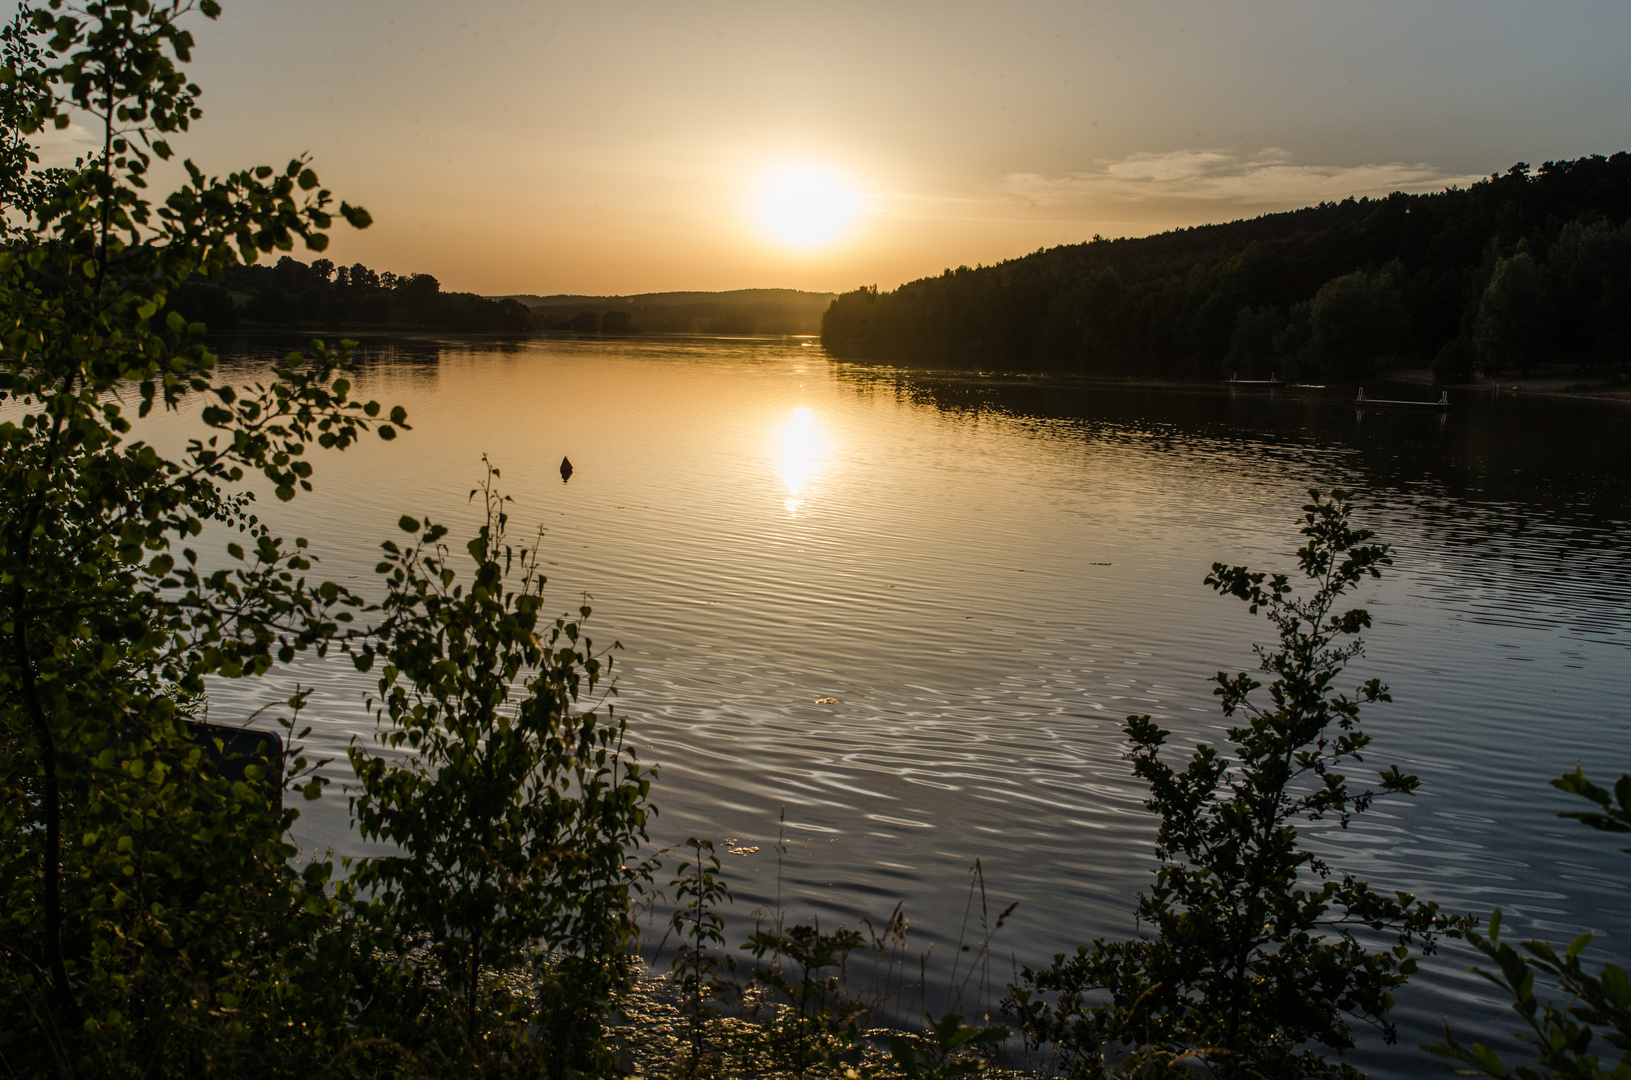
988, 576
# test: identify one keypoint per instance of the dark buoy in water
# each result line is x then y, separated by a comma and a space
566, 469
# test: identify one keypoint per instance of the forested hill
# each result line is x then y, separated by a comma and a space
1520, 269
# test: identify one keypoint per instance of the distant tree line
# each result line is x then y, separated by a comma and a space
293, 293
1522, 269
585, 321
736, 312
623, 321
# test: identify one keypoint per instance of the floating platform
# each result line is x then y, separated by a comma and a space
1443, 401
1236, 380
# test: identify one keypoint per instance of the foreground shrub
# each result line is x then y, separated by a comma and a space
150, 922
507, 904
1259, 954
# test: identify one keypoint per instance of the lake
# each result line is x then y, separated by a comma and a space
988, 574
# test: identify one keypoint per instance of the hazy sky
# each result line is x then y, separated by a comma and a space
615, 146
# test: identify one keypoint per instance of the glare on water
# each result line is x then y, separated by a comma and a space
802, 455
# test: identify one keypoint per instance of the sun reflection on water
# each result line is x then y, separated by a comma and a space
802, 455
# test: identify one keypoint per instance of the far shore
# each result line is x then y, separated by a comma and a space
1558, 381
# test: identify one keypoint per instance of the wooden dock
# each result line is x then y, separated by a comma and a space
1443, 401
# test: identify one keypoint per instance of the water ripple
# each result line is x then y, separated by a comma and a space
988, 577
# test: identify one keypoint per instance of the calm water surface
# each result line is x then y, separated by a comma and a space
988, 575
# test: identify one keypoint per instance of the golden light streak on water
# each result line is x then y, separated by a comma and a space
802, 456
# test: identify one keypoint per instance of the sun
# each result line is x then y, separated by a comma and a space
804, 206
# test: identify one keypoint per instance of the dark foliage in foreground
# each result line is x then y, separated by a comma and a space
1567, 1034
1259, 955
154, 919
1520, 269
514, 810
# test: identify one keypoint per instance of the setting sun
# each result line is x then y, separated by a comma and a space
804, 206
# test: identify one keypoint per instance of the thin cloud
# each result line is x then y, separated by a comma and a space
1266, 178
62, 148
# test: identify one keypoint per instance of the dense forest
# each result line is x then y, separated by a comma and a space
293, 293
1526, 268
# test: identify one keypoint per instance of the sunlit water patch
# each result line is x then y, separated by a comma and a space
911, 613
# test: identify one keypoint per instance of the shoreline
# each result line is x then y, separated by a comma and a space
1574, 386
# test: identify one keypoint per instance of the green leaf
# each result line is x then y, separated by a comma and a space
1617, 985
356, 216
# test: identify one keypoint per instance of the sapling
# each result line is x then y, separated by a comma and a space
1259, 954
509, 794
698, 891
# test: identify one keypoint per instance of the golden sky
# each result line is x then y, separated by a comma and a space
629, 146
